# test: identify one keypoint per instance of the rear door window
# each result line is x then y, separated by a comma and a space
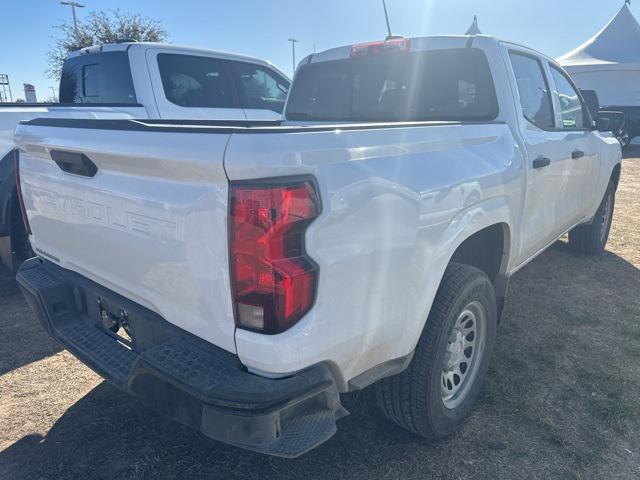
103, 78
197, 82
535, 98
442, 85
259, 87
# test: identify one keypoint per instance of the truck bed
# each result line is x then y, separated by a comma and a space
151, 225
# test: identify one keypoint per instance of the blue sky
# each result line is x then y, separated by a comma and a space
261, 27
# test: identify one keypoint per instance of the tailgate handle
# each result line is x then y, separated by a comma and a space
74, 163
541, 162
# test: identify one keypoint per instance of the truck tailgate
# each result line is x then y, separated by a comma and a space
149, 225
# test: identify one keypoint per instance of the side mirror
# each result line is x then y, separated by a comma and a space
609, 121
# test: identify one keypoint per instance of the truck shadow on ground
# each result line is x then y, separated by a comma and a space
542, 413
23, 340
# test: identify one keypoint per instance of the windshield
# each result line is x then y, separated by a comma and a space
445, 85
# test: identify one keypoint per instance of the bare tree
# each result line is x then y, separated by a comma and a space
99, 28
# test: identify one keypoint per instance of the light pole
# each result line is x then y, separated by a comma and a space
53, 94
293, 52
73, 10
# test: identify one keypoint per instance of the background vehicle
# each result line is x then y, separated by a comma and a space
144, 81
593, 103
239, 277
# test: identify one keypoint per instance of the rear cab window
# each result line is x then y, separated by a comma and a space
433, 85
99, 78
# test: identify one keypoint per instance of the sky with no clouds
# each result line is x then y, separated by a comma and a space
261, 28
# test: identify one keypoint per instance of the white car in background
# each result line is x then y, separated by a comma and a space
140, 81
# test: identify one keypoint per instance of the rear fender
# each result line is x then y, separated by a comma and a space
489, 212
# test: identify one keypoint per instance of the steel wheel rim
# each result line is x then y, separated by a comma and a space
465, 349
606, 217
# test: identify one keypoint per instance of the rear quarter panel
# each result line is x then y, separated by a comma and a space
397, 202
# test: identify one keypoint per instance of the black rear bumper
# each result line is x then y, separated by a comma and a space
181, 375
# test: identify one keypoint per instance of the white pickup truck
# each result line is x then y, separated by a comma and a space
239, 278
142, 81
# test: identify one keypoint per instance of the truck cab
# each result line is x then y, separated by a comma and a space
141, 81
175, 82
261, 269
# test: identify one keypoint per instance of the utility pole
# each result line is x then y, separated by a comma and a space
53, 94
293, 52
73, 6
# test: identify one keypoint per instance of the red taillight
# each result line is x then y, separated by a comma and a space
25, 219
376, 48
273, 280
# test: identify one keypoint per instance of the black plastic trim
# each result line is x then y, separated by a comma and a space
87, 105
230, 127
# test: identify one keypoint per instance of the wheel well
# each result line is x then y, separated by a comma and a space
615, 176
485, 250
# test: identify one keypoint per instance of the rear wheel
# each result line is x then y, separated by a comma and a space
592, 238
442, 384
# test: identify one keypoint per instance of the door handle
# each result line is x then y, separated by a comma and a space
541, 162
75, 163
577, 154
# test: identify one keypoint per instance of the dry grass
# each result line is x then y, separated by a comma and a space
562, 399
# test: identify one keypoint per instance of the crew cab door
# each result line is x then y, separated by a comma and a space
194, 87
580, 144
546, 176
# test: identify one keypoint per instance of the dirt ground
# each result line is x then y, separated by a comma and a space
562, 400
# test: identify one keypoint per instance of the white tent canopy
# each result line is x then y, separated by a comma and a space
474, 29
609, 63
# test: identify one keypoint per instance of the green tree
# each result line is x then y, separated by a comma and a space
99, 28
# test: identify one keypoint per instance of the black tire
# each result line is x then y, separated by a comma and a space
414, 399
592, 238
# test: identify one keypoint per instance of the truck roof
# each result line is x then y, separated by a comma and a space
416, 44
124, 46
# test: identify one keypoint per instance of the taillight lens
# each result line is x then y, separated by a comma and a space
273, 279
23, 210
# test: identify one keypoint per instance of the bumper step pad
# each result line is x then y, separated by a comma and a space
182, 376
87, 341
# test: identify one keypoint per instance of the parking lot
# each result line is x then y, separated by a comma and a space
562, 399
